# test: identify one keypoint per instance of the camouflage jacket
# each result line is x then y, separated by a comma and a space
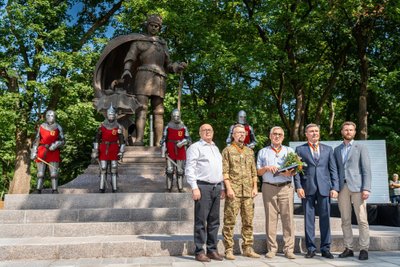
240, 169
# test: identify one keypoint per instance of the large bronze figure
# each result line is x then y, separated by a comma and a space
137, 64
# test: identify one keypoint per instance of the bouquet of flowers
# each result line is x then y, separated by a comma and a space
292, 161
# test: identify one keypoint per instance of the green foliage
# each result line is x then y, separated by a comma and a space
286, 63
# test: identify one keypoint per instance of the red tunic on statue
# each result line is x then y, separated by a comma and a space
174, 136
47, 137
247, 139
109, 147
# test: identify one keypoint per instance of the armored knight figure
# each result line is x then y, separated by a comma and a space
175, 139
145, 71
108, 148
250, 140
46, 151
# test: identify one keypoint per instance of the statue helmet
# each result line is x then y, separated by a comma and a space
241, 117
176, 116
111, 113
50, 117
154, 18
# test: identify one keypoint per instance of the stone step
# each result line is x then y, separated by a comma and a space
153, 160
127, 183
105, 215
106, 200
128, 215
156, 245
98, 200
138, 153
95, 215
143, 149
73, 227
140, 167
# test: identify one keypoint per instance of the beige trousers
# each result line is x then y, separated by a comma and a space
345, 199
279, 200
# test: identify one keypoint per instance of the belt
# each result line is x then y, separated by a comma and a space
278, 184
207, 183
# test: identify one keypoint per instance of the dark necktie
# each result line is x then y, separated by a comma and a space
315, 152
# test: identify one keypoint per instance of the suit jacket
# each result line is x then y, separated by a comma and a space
319, 175
356, 170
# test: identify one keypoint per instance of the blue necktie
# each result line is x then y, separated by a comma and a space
346, 153
315, 152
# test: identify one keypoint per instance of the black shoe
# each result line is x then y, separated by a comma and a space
310, 254
38, 191
363, 255
54, 191
346, 253
102, 190
327, 254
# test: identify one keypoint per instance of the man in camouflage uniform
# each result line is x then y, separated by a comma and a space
240, 178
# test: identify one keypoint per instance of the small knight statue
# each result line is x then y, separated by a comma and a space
46, 151
250, 140
108, 148
175, 139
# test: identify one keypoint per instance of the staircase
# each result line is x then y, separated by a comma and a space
141, 170
140, 220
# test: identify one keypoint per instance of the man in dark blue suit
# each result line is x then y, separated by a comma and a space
315, 186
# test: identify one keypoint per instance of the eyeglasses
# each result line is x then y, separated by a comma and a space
240, 132
207, 130
277, 134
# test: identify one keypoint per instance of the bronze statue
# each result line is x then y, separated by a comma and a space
138, 63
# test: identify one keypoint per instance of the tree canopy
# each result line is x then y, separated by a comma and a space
285, 62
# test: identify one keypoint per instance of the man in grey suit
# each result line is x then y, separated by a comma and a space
353, 164
315, 186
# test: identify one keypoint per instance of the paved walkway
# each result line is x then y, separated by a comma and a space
376, 259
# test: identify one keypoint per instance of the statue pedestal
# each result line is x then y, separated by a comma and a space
141, 170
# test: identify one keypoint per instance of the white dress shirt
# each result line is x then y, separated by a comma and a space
268, 157
203, 163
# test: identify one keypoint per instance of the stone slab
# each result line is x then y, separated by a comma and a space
143, 245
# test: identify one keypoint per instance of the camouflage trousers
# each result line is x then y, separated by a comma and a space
231, 210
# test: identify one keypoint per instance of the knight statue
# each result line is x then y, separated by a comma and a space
46, 151
175, 140
108, 148
250, 140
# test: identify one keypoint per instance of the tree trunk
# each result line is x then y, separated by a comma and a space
299, 115
362, 105
331, 117
361, 37
21, 182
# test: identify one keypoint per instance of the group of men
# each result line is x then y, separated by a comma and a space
343, 173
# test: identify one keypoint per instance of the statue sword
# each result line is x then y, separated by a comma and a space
48, 164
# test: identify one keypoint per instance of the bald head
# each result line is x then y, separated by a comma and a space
206, 132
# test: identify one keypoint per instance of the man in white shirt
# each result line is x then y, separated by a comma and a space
204, 174
277, 191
